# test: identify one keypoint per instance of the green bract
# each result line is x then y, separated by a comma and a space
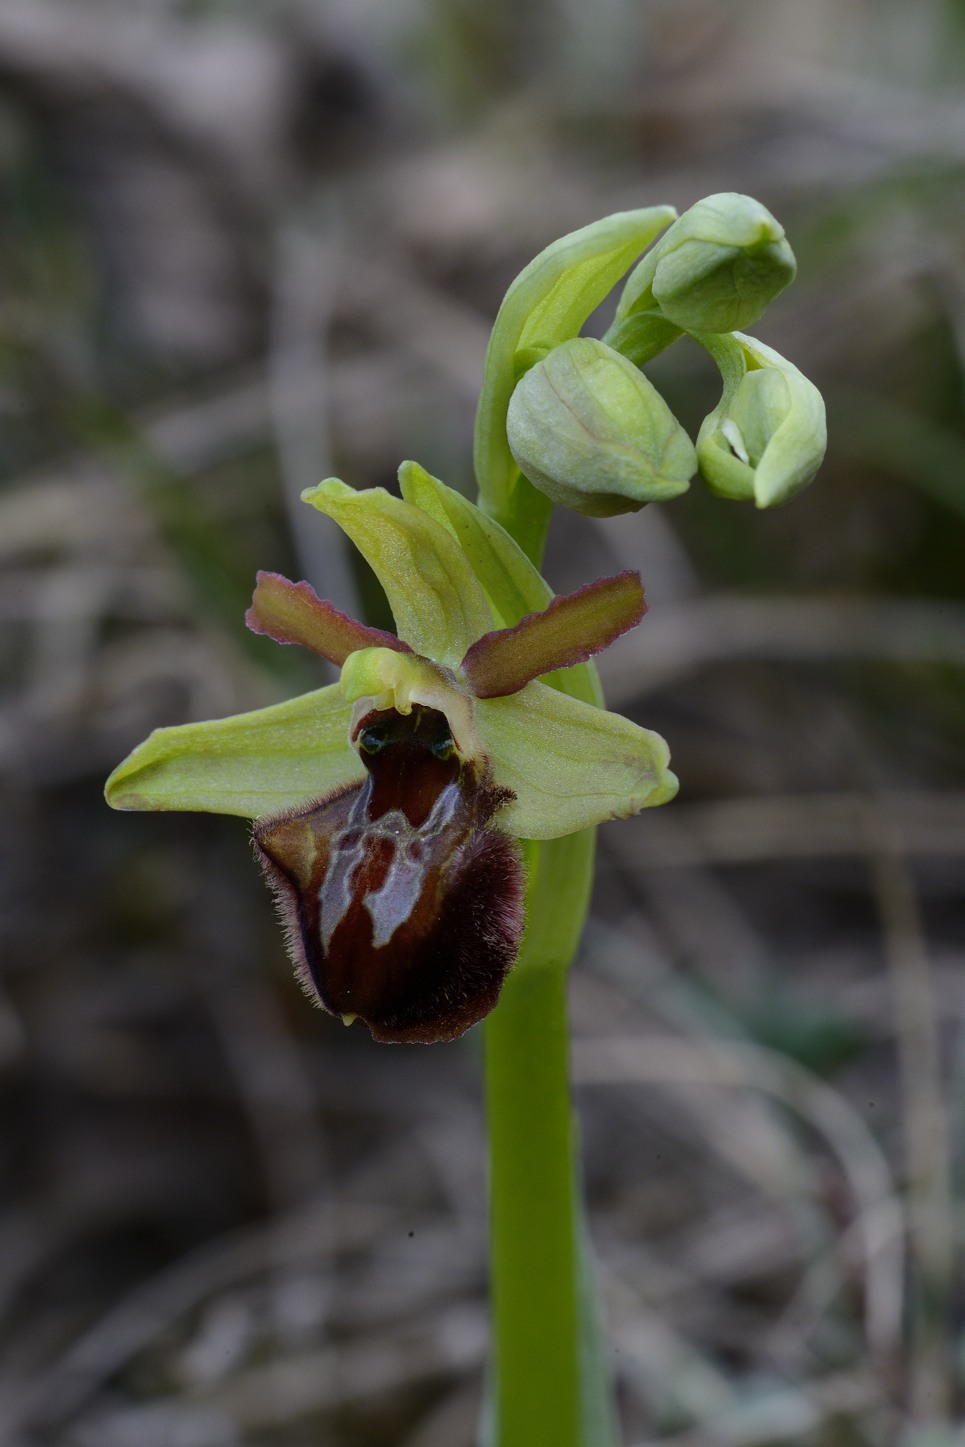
590, 431
767, 436
450, 574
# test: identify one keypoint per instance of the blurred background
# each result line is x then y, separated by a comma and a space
244, 246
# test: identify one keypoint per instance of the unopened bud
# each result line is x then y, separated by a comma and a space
592, 433
766, 438
716, 269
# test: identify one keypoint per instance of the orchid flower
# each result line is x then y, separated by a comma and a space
387, 806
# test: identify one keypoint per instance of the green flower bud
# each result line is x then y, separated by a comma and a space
716, 269
766, 438
592, 433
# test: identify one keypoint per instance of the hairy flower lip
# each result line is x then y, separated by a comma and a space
402, 902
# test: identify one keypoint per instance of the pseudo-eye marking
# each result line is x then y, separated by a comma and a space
403, 905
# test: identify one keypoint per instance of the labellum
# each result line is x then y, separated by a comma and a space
403, 908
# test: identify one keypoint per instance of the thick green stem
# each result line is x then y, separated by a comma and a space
527, 523
533, 1215
540, 1397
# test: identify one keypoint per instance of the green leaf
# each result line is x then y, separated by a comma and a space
251, 764
547, 304
569, 764
767, 436
436, 600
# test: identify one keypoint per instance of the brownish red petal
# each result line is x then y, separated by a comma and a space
573, 628
403, 907
293, 613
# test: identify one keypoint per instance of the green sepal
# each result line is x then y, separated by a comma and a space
569, 764
436, 600
513, 585
251, 764
547, 304
766, 438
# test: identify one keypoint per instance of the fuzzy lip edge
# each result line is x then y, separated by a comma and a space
429, 1028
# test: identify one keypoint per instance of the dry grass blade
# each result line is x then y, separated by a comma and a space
798, 826
720, 629
925, 1129
287, 1392
298, 366
793, 1415
742, 1065
150, 1309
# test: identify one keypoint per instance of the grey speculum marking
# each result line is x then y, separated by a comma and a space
392, 903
